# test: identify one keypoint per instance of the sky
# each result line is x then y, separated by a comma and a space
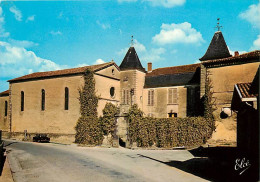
51, 35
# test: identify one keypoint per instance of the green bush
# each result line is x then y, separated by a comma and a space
167, 132
88, 129
108, 120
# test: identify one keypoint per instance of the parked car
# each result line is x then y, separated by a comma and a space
41, 138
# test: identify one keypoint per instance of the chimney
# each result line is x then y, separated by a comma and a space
236, 53
149, 67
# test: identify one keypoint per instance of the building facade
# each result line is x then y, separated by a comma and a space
47, 102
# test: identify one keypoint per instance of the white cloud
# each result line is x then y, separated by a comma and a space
252, 15
99, 61
17, 61
126, 1
162, 3
30, 18
166, 3
233, 52
138, 47
256, 44
22, 43
151, 55
178, 33
81, 65
103, 25
56, 32
3, 33
17, 13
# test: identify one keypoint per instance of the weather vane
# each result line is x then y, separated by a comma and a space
132, 41
218, 27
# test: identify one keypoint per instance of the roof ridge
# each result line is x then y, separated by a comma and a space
178, 66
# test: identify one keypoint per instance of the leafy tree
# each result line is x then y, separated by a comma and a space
88, 129
108, 120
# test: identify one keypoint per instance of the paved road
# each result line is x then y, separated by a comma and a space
54, 162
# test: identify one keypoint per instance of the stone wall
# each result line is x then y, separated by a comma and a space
55, 120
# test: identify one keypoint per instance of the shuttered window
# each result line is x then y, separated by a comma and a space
151, 97
125, 96
172, 96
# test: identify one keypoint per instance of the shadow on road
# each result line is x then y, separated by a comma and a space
3, 159
9, 144
214, 164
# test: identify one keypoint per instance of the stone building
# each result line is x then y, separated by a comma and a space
47, 102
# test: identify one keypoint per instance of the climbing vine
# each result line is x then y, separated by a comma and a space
209, 103
88, 129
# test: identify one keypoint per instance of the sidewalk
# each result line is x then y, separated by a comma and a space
6, 173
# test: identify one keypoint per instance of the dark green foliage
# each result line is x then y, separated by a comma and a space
88, 129
108, 120
209, 103
134, 118
167, 132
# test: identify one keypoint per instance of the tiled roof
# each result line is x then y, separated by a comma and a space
4, 93
174, 70
71, 71
244, 90
217, 48
173, 76
241, 58
131, 61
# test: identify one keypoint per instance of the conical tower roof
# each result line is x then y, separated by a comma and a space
217, 48
131, 61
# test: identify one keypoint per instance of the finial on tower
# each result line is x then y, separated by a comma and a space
132, 41
218, 27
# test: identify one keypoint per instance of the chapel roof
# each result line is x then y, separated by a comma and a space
173, 76
64, 72
217, 48
131, 61
4, 93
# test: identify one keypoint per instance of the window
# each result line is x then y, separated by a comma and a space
172, 96
150, 97
113, 71
172, 115
66, 98
112, 92
43, 99
6, 104
125, 97
22, 101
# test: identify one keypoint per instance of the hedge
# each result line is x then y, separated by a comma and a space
167, 132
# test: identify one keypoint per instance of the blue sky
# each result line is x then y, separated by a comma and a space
50, 35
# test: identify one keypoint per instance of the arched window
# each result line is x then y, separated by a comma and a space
22, 101
43, 99
6, 104
66, 107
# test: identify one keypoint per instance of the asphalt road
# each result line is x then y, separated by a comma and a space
43, 162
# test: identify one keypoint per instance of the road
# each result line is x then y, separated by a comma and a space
41, 162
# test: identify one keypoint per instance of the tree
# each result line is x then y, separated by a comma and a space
88, 129
108, 120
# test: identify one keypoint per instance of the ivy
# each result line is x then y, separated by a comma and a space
88, 129
167, 132
209, 103
108, 121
